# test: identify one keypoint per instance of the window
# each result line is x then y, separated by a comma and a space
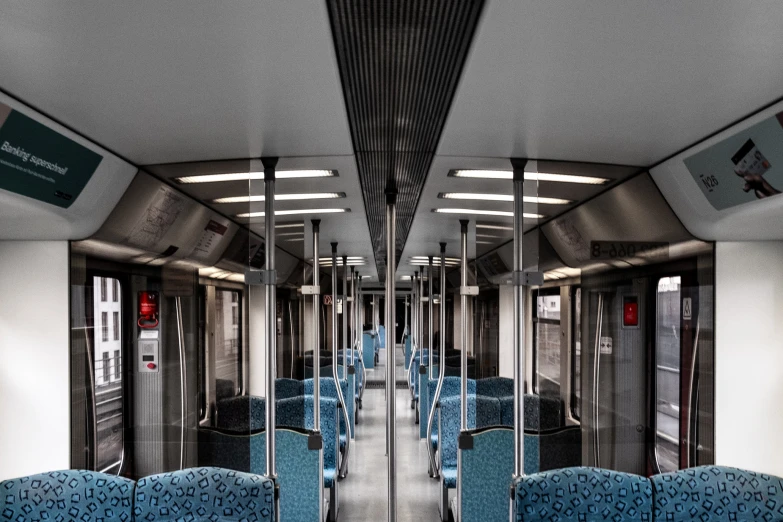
103, 289
115, 288
576, 361
117, 364
116, 326
104, 326
667, 374
228, 345
106, 368
547, 343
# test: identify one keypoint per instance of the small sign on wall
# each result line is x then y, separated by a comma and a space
606, 346
687, 308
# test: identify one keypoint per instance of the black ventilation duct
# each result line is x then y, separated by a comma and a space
400, 63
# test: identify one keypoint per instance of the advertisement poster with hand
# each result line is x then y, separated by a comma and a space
743, 168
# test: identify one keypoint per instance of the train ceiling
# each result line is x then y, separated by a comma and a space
321, 83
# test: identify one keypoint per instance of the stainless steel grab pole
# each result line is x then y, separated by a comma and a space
441, 361
596, 380
391, 402
183, 380
317, 357
692, 409
431, 328
519, 318
335, 361
345, 318
270, 302
463, 406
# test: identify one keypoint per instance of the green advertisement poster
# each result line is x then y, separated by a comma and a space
39, 163
742, 168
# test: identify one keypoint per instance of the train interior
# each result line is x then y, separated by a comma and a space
420, 260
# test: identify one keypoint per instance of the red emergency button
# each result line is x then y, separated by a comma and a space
151, 366
630, 313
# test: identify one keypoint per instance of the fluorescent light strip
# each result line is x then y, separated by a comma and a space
245, 176
485, 243
529, 176
503, 197
487, 236
281, 197
293, 212
483, 212
494, 227
295, 239
291, 225
434, 258
290, 234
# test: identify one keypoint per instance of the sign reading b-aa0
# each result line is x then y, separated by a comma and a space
42, 164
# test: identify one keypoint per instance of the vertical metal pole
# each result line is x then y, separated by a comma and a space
335, 359
441, 360
317, 357
346, 334
391, 402
464, 323
414, 329
431, 329
270, 303
360, 333
519, 320
420, 315
463, 350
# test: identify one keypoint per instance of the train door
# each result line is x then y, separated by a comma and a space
615, 369
639, 368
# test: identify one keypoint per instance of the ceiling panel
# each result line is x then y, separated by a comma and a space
348, 229
626, 82
181, 80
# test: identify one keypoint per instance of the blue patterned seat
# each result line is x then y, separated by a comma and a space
482, 412
582, 495
245, 414
368, 350
541, 413
78, 495
287, 388
487, 470
381, 336
213, 494
495, 387
328, 389
717, 494
451, 388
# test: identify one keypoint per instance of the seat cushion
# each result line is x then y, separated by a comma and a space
449, 477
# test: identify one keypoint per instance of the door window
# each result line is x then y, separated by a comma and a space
667, 373
576, 360
547, 344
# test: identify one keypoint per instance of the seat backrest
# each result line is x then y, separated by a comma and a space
67, 495
482, 412
286, 388
244, 414
224, 388
495, 387
487, 470
382, 336
204, 494
543, 413
717, 494
329, 431
578, 494
328, 389
290, 413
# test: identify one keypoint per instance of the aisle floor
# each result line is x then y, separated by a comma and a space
363, 493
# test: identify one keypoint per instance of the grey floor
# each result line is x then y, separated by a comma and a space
363, 493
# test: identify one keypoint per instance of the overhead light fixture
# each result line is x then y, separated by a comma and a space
294, 239
290, 234
487, 236
293, 212
245, 176
494, 227
281, 197
290, 225
485, 243
434, 258
503, 197
484, 212
434, 263
529, 176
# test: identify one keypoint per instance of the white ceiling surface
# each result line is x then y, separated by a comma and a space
615, 81
181, 80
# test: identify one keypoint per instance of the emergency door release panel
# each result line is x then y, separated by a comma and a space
149, 352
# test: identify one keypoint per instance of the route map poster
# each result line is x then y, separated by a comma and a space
743, 168
39, 163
